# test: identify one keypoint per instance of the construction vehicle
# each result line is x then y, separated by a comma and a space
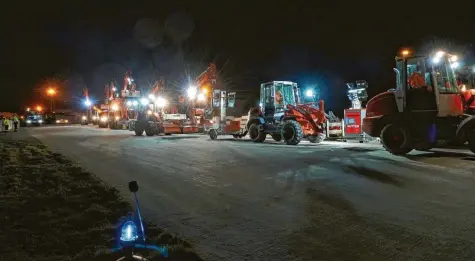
156, 115
424, 111
201, 109
466, 83
280, 115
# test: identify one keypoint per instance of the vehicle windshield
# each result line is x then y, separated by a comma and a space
444, 76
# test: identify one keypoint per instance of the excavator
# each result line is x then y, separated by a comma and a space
202, 110
424, 111
280, 114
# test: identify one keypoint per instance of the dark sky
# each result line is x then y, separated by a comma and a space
311, 42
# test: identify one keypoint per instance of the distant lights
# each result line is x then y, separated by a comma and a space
144, 101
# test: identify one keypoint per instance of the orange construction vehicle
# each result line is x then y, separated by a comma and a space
280, 114
201, 110
420, 114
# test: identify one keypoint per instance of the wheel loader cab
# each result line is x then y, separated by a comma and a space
275, 96
428, 86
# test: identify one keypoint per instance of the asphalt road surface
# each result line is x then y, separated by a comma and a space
237, 200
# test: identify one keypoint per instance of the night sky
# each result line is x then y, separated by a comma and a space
324, 43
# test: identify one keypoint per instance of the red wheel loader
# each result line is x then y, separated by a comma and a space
280, 115
425, 110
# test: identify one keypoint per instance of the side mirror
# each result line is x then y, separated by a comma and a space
133, 186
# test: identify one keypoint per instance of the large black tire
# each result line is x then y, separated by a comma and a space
150, 131
213, 134
257, 135
277, 137
138, 131
396, 139
471, 141
292, 132
316, 139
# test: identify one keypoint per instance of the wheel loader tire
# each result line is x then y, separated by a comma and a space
316, 139
471, 141
257, 135
138, 132
396, 140
277, 137
292, 132
150, 131
213, 134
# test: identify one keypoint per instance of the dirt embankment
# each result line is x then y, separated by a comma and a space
51, 209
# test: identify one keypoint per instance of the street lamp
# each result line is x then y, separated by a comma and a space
51, 92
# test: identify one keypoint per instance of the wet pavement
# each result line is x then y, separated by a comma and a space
238, 200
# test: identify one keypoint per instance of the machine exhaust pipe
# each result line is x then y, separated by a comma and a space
321, 106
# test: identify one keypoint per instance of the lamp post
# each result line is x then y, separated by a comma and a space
51, 93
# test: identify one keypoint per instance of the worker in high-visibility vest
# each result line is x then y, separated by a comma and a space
16, 121
6, 123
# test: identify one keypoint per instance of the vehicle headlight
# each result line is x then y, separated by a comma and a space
128, 232
28, 121
66, 120
94, 118
161, 102
117, 118
144, 101
149, 112
84, 117
40, 121
104, 118
57, 121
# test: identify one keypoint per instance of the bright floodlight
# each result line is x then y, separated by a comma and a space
129, 103
87, 102
201, 97
151, 97
144, 101
135, 103
436, 60
260, 104
309, 93
454, 65
453, 58
128, 232
115, 107
161, 102
440, 54
192, 90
